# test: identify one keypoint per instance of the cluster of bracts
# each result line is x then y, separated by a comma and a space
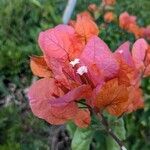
125, 21
79, 72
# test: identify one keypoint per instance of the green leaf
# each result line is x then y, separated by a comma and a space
82, 139
37, 3
119, 130
71, 127
99, 140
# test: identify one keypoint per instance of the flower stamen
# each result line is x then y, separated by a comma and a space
81, 70
75, 61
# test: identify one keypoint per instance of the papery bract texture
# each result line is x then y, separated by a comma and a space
136, 99
124, 52
97, 53
43, 92
85, 27
127, 71
82, 118
39, 66
81, 92
139, 53
39, 94
57, 42
113, 97
147, 63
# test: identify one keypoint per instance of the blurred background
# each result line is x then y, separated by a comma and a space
20, 23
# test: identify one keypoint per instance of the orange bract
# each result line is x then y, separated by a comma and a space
82, 118
129, 23
136, 99
146, 32
139, 51
136, 30
109, 2
126, 73
44, 91
92, 7
125, 20
85, 27
109, 17
147, 63
113, 97
56, 42
39, 67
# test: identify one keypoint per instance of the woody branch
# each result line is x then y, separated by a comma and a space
106, 125
110, 132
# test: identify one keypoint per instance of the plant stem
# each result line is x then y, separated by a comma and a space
109, 131
106, 125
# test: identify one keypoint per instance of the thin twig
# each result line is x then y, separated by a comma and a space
68, 11
109, 131
105, 124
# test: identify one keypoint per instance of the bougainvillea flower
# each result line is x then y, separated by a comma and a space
113, 97
129, 75
125, 20
60, 47
109, 17
109, 2
77, 65
128, 22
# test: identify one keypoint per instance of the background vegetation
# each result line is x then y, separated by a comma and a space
20, 23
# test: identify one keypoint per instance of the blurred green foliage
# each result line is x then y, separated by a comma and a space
20, 23
10, 126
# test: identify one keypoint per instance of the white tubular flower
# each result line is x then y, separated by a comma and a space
75, 61
123, 148
81, 70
